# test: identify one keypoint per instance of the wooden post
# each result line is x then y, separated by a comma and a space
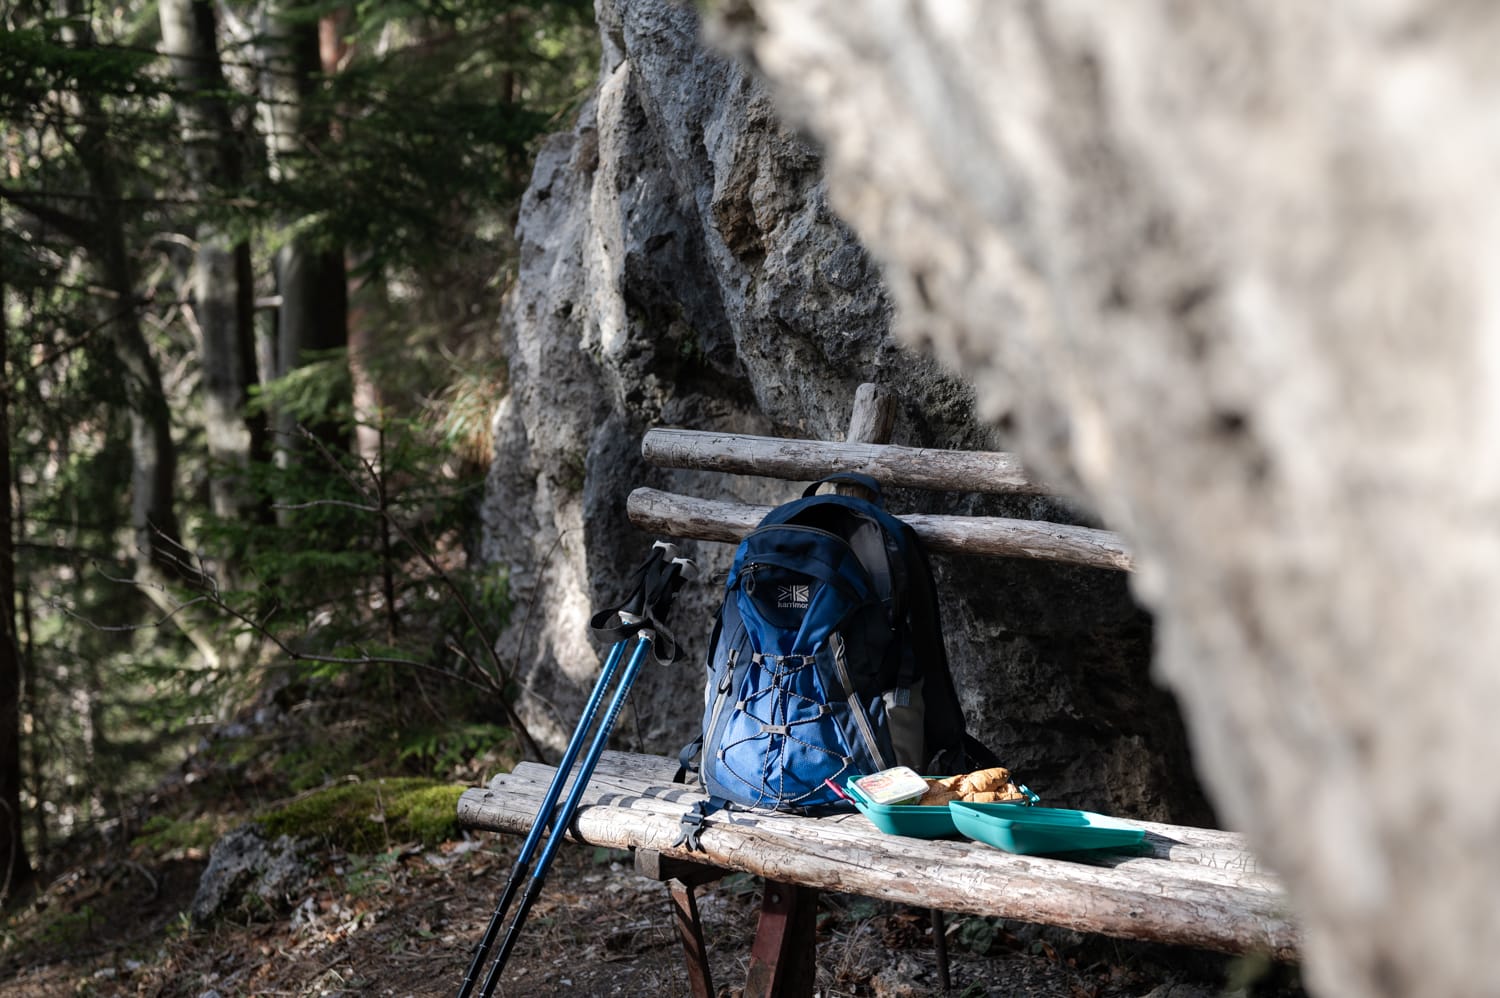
783, 958
940, 947
870, 422
873, 417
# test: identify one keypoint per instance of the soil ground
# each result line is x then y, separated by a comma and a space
402, 919
404, 922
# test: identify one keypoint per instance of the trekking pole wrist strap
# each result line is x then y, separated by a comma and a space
644, 611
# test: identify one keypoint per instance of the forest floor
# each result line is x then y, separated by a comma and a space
404, 922
395, 916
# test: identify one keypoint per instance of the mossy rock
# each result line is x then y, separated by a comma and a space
370, 816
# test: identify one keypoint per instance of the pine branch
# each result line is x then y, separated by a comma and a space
502, 675
214, 597
26, 199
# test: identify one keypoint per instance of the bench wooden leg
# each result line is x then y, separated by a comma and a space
682, 877
783, 959
940, 947
690, 930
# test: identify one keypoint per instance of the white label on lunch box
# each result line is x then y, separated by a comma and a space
892, 786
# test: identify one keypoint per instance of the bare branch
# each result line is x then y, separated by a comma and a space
213, 596
314, 503
166, 618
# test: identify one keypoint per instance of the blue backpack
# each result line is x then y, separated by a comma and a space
827, 659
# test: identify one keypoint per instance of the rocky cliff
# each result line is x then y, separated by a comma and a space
1231, 267
681, 265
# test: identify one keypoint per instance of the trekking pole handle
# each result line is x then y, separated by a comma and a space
687, 568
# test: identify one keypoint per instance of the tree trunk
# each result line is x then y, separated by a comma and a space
17, 875
159, 555
313, 315
223, 282
154, 455
31, 697
153, 514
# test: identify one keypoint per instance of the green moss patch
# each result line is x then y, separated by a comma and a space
371, 816
166, 835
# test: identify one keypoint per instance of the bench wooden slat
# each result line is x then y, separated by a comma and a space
1206, 855
1203, 855
1219, 900
661, 769
655, 511
989, 472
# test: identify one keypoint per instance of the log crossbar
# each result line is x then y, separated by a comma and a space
1187, 886
991, 473
660, 512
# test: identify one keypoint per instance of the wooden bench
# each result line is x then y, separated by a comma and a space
1186, 886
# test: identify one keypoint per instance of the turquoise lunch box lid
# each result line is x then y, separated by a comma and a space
1032, 831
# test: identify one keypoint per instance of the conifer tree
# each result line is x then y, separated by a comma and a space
223, 282
16, 867
146, 208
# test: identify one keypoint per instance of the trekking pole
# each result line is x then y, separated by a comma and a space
640, 616
542, 820
565, 817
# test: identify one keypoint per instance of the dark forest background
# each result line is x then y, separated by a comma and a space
251, 259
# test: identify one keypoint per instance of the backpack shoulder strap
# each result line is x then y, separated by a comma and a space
868, 544
943, 720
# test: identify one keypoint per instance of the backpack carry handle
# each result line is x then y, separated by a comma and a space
848, 478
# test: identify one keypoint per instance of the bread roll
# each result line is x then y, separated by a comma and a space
984, 781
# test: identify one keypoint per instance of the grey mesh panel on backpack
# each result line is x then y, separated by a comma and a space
827, 659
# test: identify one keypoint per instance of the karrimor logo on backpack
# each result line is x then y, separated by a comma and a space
827, 659
793, 597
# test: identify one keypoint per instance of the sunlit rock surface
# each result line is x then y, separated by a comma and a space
680, 265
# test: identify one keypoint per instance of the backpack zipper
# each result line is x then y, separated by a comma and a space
860, 720
838, 539
802, 528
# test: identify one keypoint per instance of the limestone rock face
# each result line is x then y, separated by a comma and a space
680, 265
1230, 267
